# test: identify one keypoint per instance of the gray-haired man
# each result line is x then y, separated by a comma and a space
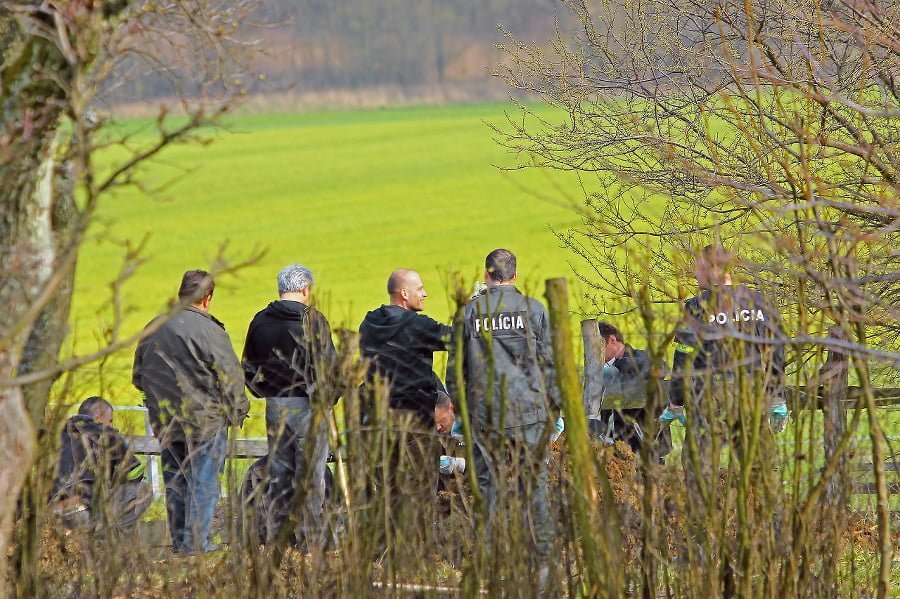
290, 360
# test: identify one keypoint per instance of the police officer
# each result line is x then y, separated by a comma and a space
510, 388
98, 475
729, 345
623, 399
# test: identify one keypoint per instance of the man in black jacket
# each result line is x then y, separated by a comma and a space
622, 407
400, 344
193, 388
729, 355
510, 387
98, 475
290, 360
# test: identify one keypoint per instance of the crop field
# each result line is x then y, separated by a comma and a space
352, 195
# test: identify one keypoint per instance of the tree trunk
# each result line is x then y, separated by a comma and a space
31, 89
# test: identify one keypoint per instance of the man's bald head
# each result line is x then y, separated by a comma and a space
407, 290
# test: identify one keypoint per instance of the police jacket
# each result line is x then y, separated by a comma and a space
288, 349
400, 344
192, 380
724, 329
507, 360
91, 452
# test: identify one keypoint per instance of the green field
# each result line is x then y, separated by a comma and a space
352, 195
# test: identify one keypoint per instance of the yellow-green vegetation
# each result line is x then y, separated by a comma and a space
352, 195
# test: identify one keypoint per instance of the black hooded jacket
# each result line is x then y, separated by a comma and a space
401, 344
288, 349
89, 451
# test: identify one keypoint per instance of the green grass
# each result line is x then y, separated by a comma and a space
860, 452
352, 195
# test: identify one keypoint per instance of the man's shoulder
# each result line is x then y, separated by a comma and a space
752, 294
501, 298
633, 359
421, 318
379, 313
319, 318
637, 354
93, 429
201, 316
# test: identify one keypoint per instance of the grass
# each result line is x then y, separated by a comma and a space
352, 195
860, 452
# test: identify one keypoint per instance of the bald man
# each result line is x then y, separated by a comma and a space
400, 342
403, 446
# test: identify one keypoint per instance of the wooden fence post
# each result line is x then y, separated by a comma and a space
594, 348
835, 373
602, 552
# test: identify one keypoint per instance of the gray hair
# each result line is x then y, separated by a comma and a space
294, 277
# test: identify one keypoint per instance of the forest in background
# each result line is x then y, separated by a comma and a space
432, 49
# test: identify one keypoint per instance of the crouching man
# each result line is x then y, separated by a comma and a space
99, 481
622, 413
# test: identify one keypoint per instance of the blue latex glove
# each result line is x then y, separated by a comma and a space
778, 417
560, 427
456, 431
609, 373
673, 413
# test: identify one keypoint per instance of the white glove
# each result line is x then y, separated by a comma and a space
452, 465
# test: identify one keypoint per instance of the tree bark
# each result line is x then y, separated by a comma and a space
34, 79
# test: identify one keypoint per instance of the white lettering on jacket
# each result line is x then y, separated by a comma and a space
505, 321
753, 314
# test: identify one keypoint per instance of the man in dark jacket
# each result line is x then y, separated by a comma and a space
400, 342
290, 360
622, 407
728, 347
193, 388
403, 447
98, 475
510, 387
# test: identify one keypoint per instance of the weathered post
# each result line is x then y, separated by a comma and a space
833, 396
835, 373
594, 348
600, 559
